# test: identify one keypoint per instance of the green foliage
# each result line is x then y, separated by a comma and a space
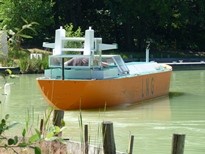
80, 122
15, 38
34, 65
14, 12
3, 125
35, 137
70, 32
171, 25
49, 133
17, 35
17, 54
7, 74
37, 150
167, 23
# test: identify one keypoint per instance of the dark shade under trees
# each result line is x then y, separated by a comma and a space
177, 25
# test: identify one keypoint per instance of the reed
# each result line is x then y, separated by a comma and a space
31, 139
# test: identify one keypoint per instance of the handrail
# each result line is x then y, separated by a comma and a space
72, 49
80, 39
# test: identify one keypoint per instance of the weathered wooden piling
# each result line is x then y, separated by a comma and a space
108, 138
86, 139
58, 116
131, 143
41, 126
178, 143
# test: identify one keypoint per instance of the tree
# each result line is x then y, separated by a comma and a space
67, 11
171, 25
14, 12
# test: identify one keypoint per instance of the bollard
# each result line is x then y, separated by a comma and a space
178, 143
108, 138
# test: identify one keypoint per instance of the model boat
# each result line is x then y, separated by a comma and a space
81, 77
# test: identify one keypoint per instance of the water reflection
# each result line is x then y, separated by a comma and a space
22, 99
158, 108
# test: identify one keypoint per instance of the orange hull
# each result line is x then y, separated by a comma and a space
87, 94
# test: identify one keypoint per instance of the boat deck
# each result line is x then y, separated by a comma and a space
187, 65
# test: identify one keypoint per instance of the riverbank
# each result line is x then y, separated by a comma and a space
55, 147
177, 59
15, 70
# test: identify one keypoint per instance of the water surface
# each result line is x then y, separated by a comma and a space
152, 122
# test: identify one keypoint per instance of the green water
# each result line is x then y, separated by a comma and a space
152, 122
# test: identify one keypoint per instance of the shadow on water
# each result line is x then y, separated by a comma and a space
159, 101
159, 108
176, 94
156, 103
151, 103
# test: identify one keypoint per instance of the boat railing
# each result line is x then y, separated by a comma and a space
88, 47
56, 61
76, 62
60, 61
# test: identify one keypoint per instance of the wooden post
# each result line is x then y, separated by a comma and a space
178, 143
58, 116
108, 138
41, 126
86, 138
131, 144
